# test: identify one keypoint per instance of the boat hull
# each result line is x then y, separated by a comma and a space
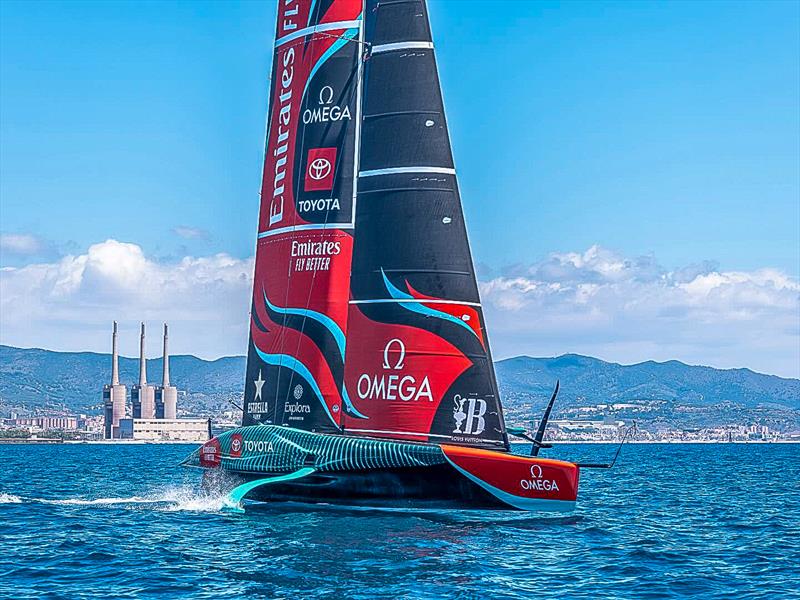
358, 471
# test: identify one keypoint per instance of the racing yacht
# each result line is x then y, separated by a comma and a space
369, 372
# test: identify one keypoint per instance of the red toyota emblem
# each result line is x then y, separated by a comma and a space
236, 445
320, 169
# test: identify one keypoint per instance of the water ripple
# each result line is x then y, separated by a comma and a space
669, 522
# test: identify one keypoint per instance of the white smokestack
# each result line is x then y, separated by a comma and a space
114, 357
142, 363
165, 377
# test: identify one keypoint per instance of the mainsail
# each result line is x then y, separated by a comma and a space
295, 366
366, 316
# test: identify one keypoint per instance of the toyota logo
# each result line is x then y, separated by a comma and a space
236, 444
536, 471
319, 168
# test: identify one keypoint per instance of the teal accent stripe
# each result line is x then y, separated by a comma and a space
311, 12
320, 318
236, 495
337, 334
290, 362
416, 307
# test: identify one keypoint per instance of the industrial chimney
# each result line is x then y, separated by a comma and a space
166, 395
142, 361
114, 394
114, 357
143, 395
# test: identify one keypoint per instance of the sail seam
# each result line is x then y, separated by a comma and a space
303, 227
401, 46
400, 170
322, 27
415, 301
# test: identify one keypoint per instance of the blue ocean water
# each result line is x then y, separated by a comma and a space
669, 521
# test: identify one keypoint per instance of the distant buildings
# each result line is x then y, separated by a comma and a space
154, 408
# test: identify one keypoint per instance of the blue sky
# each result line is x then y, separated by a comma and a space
665, 132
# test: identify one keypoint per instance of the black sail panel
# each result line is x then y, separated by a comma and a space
418, 364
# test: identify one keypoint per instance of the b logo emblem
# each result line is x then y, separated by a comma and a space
472, 417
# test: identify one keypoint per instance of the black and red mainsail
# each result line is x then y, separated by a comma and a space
366, 317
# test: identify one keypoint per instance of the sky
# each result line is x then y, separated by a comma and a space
630, 173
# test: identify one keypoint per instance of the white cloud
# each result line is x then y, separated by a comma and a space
69, 304
191, 233
596, 302
20, 244
632, 309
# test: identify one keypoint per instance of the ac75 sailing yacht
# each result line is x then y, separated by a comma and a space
369, 374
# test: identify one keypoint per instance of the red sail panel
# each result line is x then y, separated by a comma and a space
418, 362
295, 367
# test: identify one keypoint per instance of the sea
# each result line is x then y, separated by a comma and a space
668, 521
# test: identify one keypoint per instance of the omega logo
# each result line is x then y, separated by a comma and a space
400, 357
326, 95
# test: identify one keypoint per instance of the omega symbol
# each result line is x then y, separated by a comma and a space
400, 358
326, 95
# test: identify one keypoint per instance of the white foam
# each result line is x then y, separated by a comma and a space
100, 501
169, 500
9, 499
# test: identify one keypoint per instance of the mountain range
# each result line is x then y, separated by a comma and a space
35, 378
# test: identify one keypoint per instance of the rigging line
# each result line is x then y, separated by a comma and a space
301, 41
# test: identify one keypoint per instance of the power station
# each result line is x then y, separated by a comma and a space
154, 409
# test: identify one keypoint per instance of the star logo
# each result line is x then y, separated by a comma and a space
259, 383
